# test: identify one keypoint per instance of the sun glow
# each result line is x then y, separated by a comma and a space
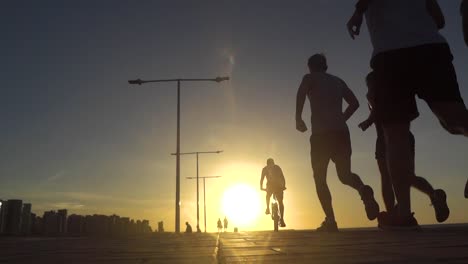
241, 204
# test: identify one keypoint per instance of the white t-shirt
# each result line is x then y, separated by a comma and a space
397, 24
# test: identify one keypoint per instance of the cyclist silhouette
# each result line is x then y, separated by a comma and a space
276, 184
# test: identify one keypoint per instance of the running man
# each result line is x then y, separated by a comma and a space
220, 225
410, 58
276, 184
438, 197
330, 139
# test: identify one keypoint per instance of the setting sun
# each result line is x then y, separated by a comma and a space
241, 204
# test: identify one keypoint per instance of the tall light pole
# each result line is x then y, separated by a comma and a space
197, 153
140, 82
204, 192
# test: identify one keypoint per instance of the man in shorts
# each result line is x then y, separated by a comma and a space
276, 184
330, 139
410, 58
438, 197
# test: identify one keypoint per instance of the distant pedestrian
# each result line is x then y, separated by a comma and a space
225, 224
220, 225
188, 228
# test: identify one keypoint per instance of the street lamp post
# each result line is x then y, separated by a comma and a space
140, 82
204, 192
197, 153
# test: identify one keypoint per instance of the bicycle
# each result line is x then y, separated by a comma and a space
275, 213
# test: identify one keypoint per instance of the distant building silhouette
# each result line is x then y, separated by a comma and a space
26, 219
13, 217
16, 219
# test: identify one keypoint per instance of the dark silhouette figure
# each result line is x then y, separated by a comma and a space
276, 184
198, 229
330, 139
188, 228
410, 58
220, 225
438, 197
225, 224
464, 14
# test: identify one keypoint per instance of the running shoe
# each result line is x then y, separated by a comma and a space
439, 202
372, 207
328, 226
282, 223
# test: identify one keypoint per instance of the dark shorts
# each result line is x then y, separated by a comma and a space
426, 71
335, 145
380, 149
276, 190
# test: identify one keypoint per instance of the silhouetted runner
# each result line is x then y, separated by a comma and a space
330, 139
220, 225
188, 228
437, 197
225, 224
410, 58
276, 184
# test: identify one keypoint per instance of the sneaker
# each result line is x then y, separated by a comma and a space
466, 190
400, 224
384, 220
439, 202
328, 226
267, 211
372, 207
282, 223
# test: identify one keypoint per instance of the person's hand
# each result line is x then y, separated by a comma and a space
364, 125
301, 126
354, 24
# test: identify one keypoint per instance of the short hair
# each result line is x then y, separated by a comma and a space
318, 61
270, 161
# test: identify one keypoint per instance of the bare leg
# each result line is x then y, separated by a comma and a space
320, 176
399, 162
268, 196
387, 187
453, 116
343, 169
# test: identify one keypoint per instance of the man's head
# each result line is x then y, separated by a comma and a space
270, 162
317, 63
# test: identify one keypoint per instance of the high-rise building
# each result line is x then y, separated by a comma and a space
12, 219
62, 221
26, 219
3, 205
50, 223
75, 224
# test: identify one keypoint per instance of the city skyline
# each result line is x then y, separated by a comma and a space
77, 136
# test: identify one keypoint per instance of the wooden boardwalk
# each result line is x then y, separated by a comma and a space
444, 244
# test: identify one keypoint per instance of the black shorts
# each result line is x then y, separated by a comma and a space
334, 145
276, 190
426, 71
380, 149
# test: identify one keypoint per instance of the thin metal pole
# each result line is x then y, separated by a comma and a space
177, 216
198, 201
204, 201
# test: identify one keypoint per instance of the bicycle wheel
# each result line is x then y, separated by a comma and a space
275, 216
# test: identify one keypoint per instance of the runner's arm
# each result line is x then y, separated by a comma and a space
355, 22
300, 100
436, 13
353, 103
262, 178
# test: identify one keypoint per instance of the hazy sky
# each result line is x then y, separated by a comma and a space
74, 134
